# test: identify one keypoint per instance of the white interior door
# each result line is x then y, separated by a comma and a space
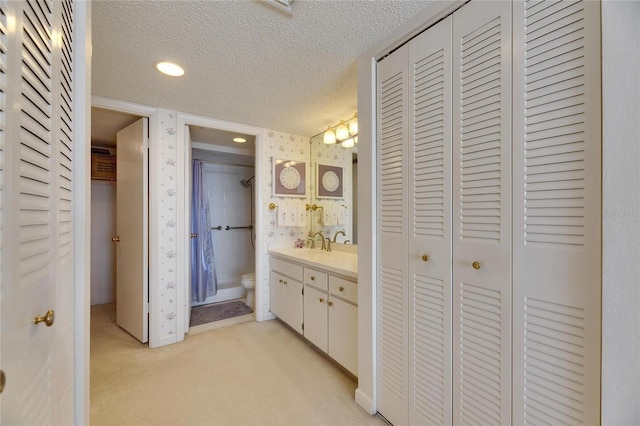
36, 181
482, 213
557, 213
132, 288
392, 147
188, 288
430, 226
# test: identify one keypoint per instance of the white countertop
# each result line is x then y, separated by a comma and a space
338, 262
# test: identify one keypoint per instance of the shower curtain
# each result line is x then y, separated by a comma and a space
204, 282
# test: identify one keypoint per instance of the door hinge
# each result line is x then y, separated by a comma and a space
146, 143
302, 326
303, 291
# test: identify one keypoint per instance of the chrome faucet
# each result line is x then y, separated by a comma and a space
321, 236
335, 237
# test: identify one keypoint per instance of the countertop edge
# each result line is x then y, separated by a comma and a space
287, 256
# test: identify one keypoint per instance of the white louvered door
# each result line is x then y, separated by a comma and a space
429, 171
482, 213
3, 125
37, 196
392, 95
557, 213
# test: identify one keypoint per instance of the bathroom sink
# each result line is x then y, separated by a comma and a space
339, 262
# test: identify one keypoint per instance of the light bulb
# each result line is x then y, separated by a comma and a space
329, 137
347, 143
342, 132
169, 68
353, 125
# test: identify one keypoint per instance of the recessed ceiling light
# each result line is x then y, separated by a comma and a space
169, 68
239, 140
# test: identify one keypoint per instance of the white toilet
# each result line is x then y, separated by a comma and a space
248, 281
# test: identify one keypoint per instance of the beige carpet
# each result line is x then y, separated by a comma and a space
244, 374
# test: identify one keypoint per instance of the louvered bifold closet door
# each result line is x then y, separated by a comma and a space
63, 144
429, 199
392, 270
3, 114
482, 213
557, 213
37, 257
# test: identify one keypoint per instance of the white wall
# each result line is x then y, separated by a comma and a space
103, 251
230, 205
621, 213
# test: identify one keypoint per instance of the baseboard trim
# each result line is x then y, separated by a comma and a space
365, 402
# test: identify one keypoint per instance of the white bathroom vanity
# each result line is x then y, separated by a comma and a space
316, 293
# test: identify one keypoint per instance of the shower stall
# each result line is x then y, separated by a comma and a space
228, 185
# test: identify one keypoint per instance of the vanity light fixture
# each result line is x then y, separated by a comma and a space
342, 131
169, 68
239, 140
329, 137
348, 143
353, 125
345, 133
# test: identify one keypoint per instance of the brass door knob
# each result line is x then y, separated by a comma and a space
330, 303
47, 318
476, 265
425, 258
115, 239
194, 235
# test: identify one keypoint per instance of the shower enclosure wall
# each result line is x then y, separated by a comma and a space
230, 205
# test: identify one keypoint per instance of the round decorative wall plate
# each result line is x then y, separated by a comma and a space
290, 177
330, 181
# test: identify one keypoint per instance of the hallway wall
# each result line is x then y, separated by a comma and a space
103, 251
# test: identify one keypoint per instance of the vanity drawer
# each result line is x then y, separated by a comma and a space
345, 289
286, 268
316, 278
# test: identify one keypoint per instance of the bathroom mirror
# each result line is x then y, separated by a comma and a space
333, 173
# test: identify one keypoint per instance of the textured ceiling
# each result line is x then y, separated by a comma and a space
245, 61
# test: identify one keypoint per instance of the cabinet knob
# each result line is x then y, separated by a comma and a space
321, 300
280, 281
313, 278
330, 303
425, 258
476, 265
284, 282
341, 288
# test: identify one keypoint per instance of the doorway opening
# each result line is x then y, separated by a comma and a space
118, 136
221, 178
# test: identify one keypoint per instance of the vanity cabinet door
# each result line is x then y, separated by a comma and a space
277, 295
315, 317
293, 304
343, 333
